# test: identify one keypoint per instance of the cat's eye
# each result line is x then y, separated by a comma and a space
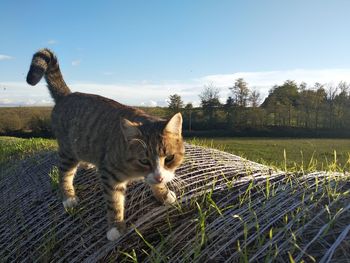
144, 161
169, 158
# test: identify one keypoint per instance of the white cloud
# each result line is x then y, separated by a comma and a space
263, 81
156, 94
20, 93
5, 101
136, 94
150, 103
76, 62
278, 77
5, 57
51, 42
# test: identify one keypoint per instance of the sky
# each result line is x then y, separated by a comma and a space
140, 52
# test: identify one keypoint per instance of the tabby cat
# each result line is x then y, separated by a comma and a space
124, 143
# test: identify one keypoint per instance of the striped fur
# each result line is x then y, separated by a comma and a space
124, 143
44, 63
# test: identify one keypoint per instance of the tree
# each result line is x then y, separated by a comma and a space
229, 108
288, 94
255, 112
236, 104
305, 105
282, 99
331, 94
240, 92
341, 107
254, 98
175, 103
271, 105
320, 98
189, 108
210, 100
229, 102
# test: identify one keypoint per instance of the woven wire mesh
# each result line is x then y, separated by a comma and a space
229, 209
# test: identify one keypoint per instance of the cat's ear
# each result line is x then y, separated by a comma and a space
174, 125
130, 129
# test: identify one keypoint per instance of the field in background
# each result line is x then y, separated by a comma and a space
29, 122
285, 153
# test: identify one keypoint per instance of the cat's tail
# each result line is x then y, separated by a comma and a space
44, 63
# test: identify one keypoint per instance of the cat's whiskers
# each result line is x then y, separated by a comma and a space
177, 184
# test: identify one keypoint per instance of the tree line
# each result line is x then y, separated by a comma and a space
289, 109
321, 106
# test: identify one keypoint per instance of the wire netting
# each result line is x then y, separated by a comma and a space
228, 210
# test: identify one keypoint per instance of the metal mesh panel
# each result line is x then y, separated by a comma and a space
238, 211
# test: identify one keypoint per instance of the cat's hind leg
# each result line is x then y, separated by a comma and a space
67, 170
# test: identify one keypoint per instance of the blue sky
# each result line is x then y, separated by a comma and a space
140, 52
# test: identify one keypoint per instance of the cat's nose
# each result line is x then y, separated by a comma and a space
158, 178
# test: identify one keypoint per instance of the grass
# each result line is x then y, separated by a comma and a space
287, 154
271, 211
260, 220
14, 149
299, 213
54, 177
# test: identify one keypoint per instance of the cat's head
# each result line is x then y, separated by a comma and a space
155, 148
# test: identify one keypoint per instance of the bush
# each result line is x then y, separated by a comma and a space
9, 123
40, 124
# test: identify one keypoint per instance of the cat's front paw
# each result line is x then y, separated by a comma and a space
70, 202
113, 234
170, 198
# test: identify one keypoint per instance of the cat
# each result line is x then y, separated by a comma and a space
123, 142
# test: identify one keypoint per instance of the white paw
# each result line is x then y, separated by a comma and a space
70, 202
113, 234
170, 198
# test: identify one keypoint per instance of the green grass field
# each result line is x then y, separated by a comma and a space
287, 153
14, 149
